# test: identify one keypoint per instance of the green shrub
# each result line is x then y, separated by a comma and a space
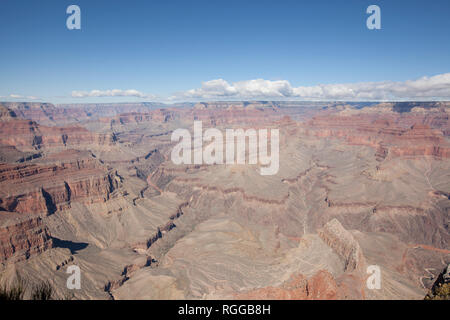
441, 292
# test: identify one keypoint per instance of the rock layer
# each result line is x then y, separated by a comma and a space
45, 188
343, 242
21, 239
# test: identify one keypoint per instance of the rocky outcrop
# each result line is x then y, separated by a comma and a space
343, 242
27, 135
441, 286
6, 114
46, 188
33, 111
22, 238
321, 286
158, 116
161, 230
11, 154
127, 273
389, 133
227, 113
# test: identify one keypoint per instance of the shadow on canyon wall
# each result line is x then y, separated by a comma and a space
74, 247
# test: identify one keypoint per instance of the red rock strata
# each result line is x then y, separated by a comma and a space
28, 135
321, 286
21, 238
159, 115
227, 113
389, 133
47, 113
342, 241
45, 188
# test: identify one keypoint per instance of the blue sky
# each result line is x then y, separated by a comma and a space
166, 48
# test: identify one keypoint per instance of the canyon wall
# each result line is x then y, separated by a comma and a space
21, 238
342, 241
45, 188
390, 133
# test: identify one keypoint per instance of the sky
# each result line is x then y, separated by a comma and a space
194, 50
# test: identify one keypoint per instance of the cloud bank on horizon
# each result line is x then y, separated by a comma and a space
112, 93
426, 88
435, 87
19, 97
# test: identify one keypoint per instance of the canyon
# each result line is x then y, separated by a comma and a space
359, 184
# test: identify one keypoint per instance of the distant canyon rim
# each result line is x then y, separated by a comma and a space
356, 184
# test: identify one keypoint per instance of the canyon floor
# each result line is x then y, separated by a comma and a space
358, 185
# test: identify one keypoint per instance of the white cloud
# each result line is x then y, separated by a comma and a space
435, 87
250, 89
111, 93
18, 96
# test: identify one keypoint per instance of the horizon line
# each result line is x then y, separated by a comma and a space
228, 101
